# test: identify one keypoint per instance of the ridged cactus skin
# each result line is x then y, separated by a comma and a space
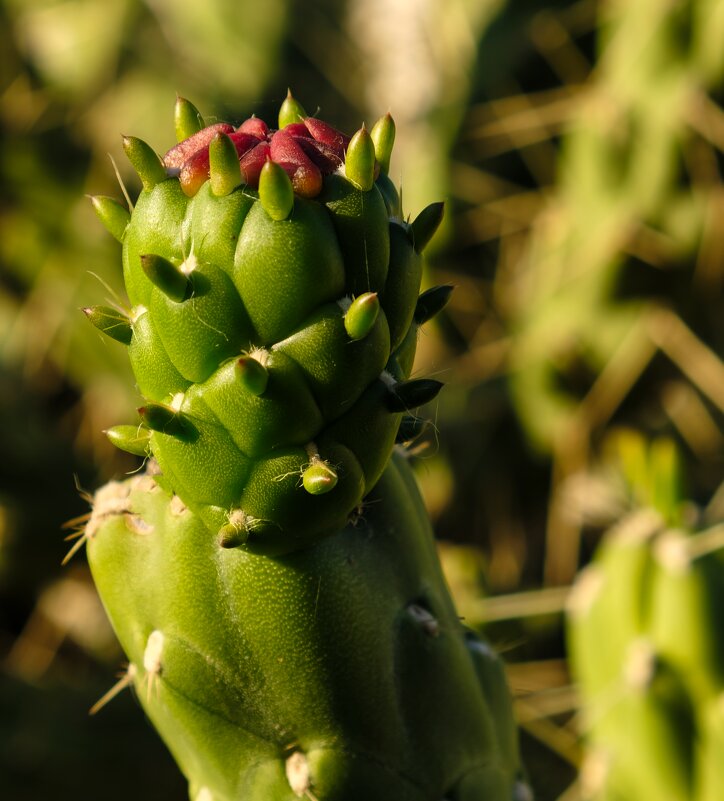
340, 671
272, 576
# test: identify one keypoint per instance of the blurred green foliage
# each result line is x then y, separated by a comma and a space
578, 146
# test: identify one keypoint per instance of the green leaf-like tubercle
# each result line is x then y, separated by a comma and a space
166, 276
114, 216
252, 375
145, 161
411, 394
319, 478
291, 111
383, 137
132, 439
224, 165
359, 166
431, 302
187, 119
111, 322
425, 225
361, 315
275, 191
159, 417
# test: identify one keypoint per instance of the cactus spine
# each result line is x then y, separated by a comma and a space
272, 576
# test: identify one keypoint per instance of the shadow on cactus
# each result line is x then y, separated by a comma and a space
272, 575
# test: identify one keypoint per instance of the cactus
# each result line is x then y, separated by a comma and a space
645, 643
272, 576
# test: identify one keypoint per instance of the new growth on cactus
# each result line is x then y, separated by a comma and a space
272, 575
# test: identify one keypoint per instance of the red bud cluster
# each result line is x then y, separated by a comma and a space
306, 151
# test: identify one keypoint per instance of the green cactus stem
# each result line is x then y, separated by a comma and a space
272, 576
341, 671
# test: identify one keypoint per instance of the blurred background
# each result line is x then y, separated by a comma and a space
578, 147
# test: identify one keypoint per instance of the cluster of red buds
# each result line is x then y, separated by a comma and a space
305, 147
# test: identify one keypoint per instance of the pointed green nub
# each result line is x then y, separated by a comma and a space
319, 478
114, 216
411, 394
291, 111
383, 138
167, 277
361, 315
359, 165
231, 536
431, 302
252, 375
224, 165
145, 161
275, 191
425, 225
132, 439
186, 118
111, 322
410, 428
162, 418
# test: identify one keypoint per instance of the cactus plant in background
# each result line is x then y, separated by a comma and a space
272, 575
645, 641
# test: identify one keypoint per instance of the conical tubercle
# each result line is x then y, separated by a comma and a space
318, 477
